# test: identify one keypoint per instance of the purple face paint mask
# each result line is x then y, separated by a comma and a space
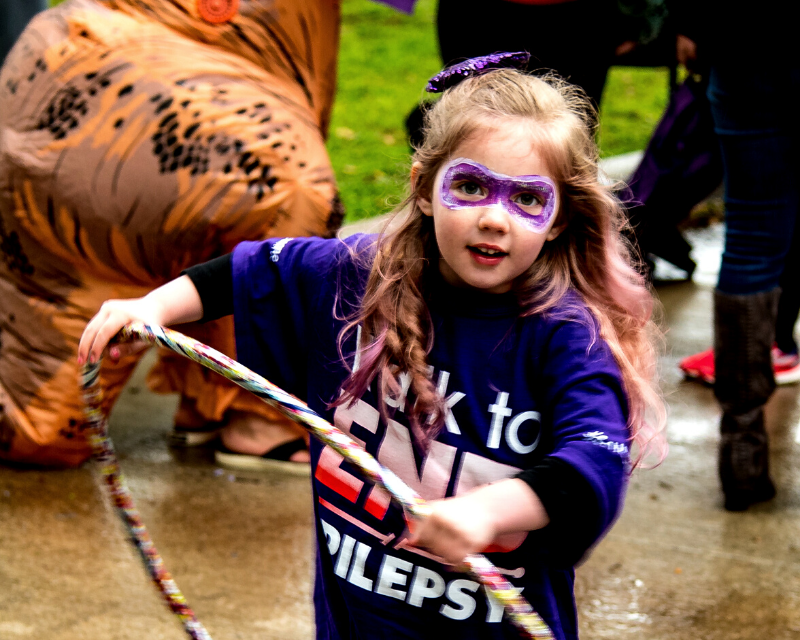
491, 189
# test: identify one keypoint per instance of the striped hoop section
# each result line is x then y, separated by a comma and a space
518, 610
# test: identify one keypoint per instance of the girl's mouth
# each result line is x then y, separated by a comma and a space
489, 252
487, 255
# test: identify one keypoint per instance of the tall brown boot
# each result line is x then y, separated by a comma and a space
744, 330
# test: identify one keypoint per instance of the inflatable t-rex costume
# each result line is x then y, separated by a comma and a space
138, 137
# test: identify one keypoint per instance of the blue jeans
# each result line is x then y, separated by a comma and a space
754, 116
14, 17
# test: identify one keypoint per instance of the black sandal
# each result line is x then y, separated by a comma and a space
277, 459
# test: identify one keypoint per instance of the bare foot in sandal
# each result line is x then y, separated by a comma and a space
252, 442
191, 428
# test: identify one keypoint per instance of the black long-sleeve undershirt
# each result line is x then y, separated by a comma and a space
213, 281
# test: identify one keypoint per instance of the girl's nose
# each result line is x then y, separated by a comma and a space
494, 218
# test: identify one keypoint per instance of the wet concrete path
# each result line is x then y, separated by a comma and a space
675, 567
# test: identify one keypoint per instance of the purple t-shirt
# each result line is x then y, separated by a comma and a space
518, 389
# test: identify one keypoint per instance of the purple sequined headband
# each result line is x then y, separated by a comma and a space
451, 76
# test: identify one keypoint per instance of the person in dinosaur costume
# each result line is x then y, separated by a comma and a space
137, 138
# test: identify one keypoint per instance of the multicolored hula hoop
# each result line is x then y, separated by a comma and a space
516, 607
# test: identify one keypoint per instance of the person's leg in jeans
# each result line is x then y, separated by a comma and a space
753, 120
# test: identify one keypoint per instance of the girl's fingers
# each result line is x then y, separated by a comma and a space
89, 335
112, 316
121, 350
107, 330
101, 329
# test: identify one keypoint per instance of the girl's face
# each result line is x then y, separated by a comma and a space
494, 206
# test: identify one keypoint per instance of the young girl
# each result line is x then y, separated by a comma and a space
493, 348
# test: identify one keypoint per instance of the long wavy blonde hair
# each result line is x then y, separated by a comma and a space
590, 256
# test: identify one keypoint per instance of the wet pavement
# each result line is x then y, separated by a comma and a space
675, 567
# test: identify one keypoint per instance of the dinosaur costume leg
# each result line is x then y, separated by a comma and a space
130, 148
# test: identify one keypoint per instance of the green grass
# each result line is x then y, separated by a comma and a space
385, 60
633, 101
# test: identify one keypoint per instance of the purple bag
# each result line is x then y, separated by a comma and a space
682, 166
406, 6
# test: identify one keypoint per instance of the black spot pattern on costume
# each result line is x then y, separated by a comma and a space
166, 104
41, 65
13, 255
63, 112
180, 144
70, 104
74, 427
179, 149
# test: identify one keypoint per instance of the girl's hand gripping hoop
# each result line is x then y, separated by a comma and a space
516, 607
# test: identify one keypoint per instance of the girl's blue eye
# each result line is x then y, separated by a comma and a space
528, 199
